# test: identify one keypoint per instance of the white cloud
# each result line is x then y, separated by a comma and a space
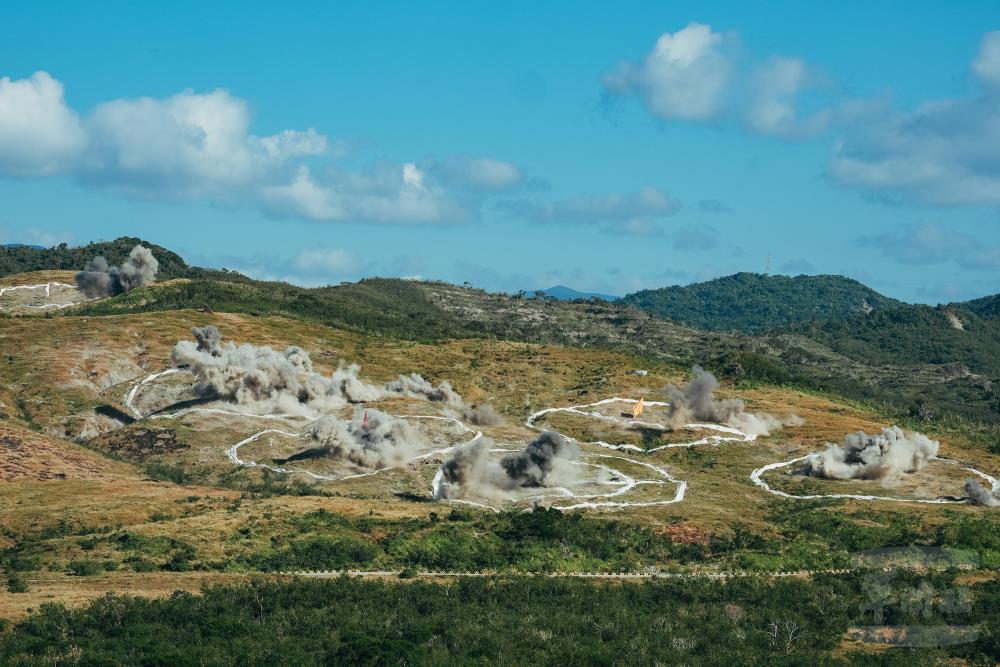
304, 198
944, 152
186, 145
986, 66
326, 261
683, 77
934, 244
390, 195
199, 146
645, 203
478, 173
771, 103
293, 143
39, 134
696, 74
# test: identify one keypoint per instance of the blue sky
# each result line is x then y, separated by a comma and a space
609, 147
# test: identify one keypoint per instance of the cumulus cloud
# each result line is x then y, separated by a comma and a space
684, 76
698, 74
771, 104
200, 146
187, 145
933, 244
330, 261
986, 65
942, 152
632, 212
478, 173
39, 134
388, 194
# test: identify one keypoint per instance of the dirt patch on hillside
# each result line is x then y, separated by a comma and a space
139, 442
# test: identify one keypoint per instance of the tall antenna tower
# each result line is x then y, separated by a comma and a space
767, 269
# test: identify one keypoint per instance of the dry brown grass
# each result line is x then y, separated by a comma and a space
75, 591
37, 277
53, 371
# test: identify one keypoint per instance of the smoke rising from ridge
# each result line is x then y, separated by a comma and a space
886, 456
98, 280
545, 461
372, 439
696, 403
980, 495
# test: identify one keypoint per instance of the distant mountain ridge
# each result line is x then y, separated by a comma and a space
753, 302
564, 293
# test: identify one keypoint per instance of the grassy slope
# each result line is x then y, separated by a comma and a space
730, 522
437, 311
904, 357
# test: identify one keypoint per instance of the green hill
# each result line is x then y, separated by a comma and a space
754, 302
21, 259
915, 334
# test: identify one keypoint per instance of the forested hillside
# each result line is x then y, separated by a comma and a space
754, 301
21, 259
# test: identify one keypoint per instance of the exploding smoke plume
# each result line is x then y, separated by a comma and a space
98, 280
696, 403
980, 495
267, 380
415, 386
885, 456
208, 339
547, 460
372, 439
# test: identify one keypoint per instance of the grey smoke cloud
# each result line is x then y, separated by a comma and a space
265, 379
98, 280
885, 456
371, 439
980, 495
545, 461
208, 339
696, 403
415, 386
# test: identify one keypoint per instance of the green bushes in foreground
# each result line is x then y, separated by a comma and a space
523, 621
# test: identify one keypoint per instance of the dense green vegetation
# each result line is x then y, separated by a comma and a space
513, 622
20, 259
915, 335
813, 535
386, 307
755, 302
